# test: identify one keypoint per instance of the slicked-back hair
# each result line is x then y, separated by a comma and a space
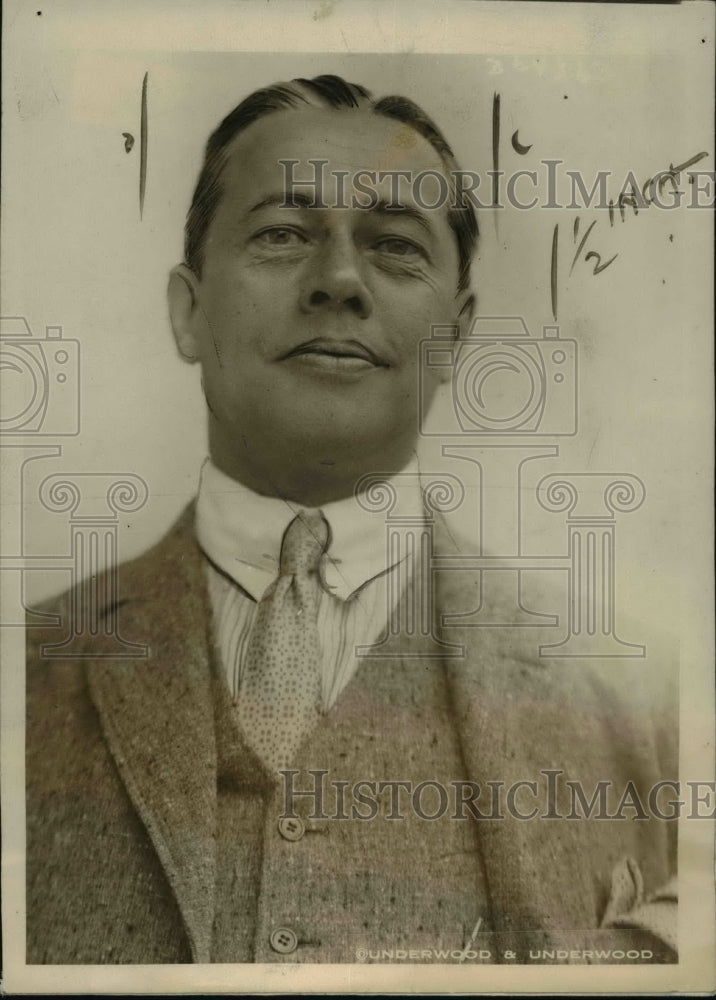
331, 92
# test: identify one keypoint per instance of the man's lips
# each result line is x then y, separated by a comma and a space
336, 355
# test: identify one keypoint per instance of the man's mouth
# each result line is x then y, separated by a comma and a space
336, 355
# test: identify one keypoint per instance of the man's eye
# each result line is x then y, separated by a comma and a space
280, 236
399, 247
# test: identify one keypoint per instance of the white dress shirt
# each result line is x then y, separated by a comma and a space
241, 533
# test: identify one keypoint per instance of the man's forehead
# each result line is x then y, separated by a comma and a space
350, 139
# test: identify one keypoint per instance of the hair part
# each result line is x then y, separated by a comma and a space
321, 91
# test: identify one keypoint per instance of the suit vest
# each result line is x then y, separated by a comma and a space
328, 865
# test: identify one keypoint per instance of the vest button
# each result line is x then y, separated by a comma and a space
283, 940
291, 827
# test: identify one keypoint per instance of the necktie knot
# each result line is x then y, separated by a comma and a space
304, 542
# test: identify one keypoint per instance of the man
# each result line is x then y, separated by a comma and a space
237, 796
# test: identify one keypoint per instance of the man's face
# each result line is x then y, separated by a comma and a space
307, 320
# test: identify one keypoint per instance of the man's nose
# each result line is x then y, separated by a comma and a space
334, 279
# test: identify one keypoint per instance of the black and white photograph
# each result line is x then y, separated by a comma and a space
357, 476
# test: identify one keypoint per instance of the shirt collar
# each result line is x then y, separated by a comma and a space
241, 532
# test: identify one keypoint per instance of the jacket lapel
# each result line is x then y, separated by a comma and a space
157, 717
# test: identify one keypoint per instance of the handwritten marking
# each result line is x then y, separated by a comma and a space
555, 246
672, 174
495, 150
687, 163
517, 145
471, 942
581, 245
128, 142
591, 255
599, 267
143, 148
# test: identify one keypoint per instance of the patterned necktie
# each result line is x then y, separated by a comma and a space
279, 699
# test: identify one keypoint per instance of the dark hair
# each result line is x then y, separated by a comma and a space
324, 91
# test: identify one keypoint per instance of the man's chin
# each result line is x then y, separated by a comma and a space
324, 461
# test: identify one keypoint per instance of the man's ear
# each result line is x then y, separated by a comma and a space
182, 296
465, 305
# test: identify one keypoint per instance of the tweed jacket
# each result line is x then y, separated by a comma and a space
121, 758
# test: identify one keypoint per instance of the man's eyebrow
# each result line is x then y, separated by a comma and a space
285, 199
382, 207
385, 207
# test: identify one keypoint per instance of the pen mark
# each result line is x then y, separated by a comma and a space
517, 145
143, 147
495, 155
599, 267
581, 245
555, 245
471, 942
495, 132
